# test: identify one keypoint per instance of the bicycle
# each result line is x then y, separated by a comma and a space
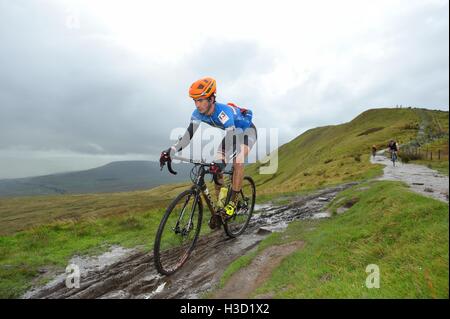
180, 226
394, 157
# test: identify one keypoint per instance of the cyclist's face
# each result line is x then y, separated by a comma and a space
202, 105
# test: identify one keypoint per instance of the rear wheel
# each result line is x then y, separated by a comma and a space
236, 225
178, 232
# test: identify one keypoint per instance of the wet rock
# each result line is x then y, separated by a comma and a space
263, 231
321, 215
342, 210
326, 277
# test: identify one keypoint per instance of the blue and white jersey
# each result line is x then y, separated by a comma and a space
225, 117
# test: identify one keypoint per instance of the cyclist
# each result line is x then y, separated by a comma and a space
393, 147
374, 150
239, 139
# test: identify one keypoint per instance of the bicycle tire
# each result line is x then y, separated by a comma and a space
157, 253
226, 225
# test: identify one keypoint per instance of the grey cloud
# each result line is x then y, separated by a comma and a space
229, 60
75, 90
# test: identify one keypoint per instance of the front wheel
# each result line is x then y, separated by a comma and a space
236, 225
178, 232
394, 158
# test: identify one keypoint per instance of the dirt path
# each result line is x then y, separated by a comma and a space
244, 282
421, 179
131, 273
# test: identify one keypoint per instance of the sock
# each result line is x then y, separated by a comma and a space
217, 190
234, 195
218, 187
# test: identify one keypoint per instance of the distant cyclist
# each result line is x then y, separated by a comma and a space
393, 149
374, 150
393, 146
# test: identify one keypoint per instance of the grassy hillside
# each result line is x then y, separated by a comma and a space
339, 153
20, 213
405, 234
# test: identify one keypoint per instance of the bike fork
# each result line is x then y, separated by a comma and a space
177, 226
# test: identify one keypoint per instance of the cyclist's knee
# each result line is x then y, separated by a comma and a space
240, 158
220, 155
238, 165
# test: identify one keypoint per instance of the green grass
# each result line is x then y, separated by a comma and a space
404, 233
21, 213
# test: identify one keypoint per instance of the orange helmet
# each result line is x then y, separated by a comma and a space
204, 87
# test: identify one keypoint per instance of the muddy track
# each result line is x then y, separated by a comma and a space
419, 178
134, 274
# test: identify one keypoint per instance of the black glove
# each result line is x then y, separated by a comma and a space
165, 156
216, 167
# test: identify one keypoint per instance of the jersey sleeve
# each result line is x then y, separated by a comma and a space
195, 117
187, 137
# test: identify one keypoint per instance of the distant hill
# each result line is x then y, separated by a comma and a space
112, 177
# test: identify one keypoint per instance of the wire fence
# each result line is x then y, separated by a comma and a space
419, 153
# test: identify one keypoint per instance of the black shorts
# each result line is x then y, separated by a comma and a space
248, 137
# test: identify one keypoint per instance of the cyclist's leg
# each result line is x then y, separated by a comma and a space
238, 168
247, 140
220, 156
215, 220
219, 177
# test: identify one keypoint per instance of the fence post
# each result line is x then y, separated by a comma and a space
431, 155
439, 154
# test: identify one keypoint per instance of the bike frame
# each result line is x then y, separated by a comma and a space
200, 187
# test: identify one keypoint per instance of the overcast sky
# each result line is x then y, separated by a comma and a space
84, 83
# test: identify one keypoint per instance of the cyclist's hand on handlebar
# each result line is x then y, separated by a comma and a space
216, 167
166, 156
